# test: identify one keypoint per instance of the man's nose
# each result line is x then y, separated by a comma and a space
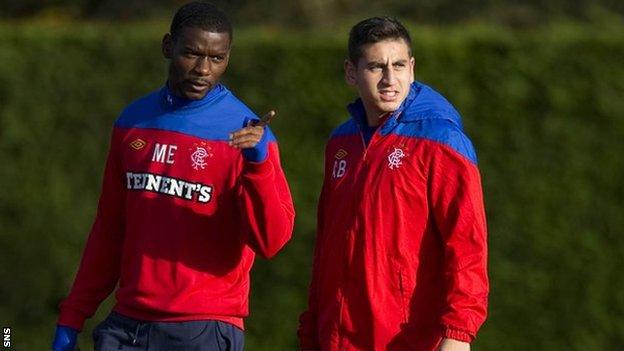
389, 76
202, 66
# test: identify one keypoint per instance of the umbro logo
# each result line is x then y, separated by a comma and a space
138, 144
341, 154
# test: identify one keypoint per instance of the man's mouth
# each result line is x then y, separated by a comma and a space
198, 84
388, 95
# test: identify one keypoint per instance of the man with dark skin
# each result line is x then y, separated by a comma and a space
197, 62
192, 190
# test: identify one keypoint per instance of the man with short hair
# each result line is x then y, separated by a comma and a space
193, 189
400, 257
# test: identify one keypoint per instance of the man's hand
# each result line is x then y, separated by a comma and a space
252, 139
453, 345
64, 339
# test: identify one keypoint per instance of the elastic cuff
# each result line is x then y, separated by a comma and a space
71, 319
457, 334
256, 154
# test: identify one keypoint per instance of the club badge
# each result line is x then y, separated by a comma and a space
199, 156
395, 157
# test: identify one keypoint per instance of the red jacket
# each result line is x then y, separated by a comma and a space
181, 214
400, 258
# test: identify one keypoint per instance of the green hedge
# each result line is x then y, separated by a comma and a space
545, 109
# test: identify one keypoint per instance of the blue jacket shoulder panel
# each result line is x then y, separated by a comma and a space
427, 104
214, 117
349, 127
143, 108
425, 114
238, 113
442, 131
429, 115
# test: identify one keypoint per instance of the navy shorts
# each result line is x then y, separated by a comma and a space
118, 332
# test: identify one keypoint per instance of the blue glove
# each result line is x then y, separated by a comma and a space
64, 339
259, 152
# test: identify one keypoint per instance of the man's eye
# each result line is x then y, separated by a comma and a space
217, 58
375, 69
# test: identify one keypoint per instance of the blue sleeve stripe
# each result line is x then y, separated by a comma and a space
214, 120
347, 128
442, 131
219, 132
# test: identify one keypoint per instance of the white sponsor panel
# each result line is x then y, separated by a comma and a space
179, 188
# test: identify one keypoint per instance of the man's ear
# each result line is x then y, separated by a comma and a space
167, 46
412, 69
350, 72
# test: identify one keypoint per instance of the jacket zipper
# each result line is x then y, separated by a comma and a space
366, 147
364, 143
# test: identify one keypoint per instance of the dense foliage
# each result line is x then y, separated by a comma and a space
544, 108
320, 13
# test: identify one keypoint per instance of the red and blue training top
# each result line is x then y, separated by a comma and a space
181, 214
400, 257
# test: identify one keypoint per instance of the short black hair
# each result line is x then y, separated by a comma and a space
373, 30
200, 14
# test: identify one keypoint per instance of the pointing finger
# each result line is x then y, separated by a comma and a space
266, 119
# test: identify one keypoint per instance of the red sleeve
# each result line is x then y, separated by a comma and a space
99, 269
266, 204
308, 321
457, 204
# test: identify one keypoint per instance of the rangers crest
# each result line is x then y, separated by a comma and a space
199, 156
394, 158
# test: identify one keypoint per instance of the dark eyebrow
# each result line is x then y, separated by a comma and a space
373, 64
401, 61
197, 50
